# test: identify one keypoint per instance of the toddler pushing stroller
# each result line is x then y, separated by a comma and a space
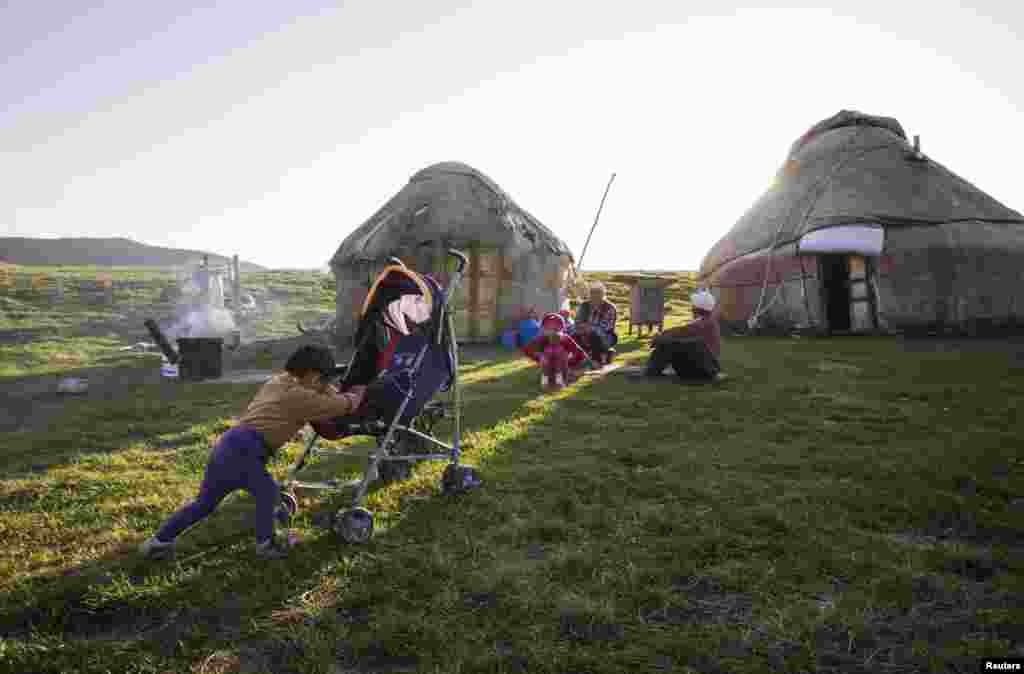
406, 352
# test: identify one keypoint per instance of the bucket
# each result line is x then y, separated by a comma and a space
201, 358
72, 385
167, 369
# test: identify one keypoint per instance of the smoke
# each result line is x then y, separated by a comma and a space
203, 321
201, 312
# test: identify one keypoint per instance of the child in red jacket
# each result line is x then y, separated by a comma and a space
557, 353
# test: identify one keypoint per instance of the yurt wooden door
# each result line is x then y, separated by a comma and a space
862, 306
848, 303
475, 306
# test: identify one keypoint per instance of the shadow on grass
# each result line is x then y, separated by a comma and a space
572, 469
122, 599
115, 415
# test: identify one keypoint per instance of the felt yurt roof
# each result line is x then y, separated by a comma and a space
854, 168
435, 205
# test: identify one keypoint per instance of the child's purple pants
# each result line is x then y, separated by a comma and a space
238, 461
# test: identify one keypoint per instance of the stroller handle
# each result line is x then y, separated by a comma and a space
463, 260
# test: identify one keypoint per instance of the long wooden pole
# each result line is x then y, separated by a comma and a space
594, 226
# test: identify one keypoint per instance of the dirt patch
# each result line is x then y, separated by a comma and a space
941, 614
14, 410
479, 601
374, 658
163, 627
886, 644
273, 656
585, 627
242, 377
19, 625
353, 615
706, 602
114, 623
962, 525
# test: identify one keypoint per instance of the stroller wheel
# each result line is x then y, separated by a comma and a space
287, 508
459, 479
354, 526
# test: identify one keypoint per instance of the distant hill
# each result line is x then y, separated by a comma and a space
102, 252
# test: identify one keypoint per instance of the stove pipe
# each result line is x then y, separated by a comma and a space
161, 341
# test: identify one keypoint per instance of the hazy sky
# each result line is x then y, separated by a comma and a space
273, 129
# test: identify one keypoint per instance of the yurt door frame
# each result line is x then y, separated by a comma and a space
475, 309
848, 303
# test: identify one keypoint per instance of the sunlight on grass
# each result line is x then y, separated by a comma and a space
835, 502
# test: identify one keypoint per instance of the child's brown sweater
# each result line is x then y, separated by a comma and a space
283, 406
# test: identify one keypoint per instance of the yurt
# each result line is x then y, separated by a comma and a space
515, 261
862, 232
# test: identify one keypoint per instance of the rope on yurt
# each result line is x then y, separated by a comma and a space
823, 184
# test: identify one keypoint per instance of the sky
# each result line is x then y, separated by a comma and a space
273, 130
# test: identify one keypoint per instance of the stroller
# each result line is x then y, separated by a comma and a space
405, 353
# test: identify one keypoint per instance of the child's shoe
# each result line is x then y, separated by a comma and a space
271, 549
544, 381
559, 380
155, 549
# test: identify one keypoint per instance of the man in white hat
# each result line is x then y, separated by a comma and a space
693, 349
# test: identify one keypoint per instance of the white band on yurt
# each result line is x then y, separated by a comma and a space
851, 239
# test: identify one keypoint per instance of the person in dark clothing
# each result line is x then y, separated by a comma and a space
692, 350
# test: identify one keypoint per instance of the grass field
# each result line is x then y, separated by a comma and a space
40, 335
843, 505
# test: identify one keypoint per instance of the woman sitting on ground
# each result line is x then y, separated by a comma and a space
693, 349
595, 325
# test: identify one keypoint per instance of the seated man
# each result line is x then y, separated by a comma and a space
692, 349
595, 325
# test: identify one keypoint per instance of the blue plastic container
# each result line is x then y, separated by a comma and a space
528, 329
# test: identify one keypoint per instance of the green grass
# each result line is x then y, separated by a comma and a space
82, 330
837, 502
55, 355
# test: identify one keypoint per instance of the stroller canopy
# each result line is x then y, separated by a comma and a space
400, 296
393, 283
